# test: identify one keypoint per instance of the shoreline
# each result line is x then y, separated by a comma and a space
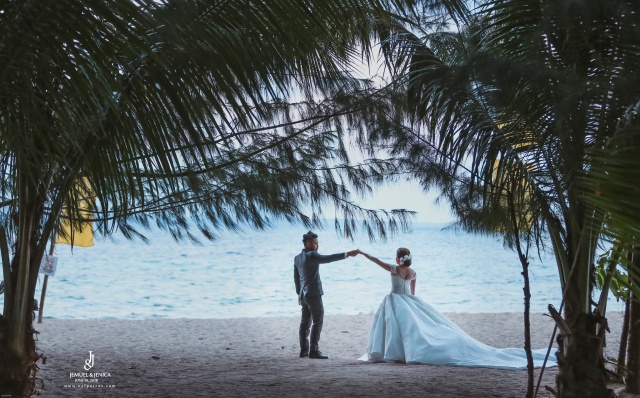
246, 357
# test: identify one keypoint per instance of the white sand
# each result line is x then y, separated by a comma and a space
258, 357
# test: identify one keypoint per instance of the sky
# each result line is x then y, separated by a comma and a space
409, 196
401, 195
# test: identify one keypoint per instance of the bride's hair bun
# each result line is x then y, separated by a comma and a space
404, 255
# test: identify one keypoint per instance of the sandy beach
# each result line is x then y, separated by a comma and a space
258, 357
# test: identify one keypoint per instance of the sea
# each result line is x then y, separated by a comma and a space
250, 274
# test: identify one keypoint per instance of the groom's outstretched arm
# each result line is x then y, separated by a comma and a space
323, 259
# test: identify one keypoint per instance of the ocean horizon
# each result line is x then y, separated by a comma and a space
250, 274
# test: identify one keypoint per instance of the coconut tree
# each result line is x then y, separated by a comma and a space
228, 113
526, 90
615, 167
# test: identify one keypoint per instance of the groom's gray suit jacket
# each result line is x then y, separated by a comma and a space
306, 271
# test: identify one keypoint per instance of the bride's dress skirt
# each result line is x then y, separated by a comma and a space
408, 329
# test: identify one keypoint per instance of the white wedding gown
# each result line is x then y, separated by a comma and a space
408, 329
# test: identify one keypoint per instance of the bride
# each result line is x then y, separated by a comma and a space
406, 329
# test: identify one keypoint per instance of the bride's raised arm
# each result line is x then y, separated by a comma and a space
375, 260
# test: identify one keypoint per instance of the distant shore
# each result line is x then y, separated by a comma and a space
249, 357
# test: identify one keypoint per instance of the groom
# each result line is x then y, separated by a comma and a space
306, 271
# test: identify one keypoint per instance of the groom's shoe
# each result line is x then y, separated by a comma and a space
317, 355
304, 353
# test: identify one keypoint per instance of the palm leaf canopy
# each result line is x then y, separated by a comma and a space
184, 108
512, 102
614, 181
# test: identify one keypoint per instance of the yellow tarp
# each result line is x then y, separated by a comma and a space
82, 235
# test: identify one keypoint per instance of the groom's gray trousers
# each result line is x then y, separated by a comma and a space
312, 310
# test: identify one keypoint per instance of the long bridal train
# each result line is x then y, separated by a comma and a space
406, 328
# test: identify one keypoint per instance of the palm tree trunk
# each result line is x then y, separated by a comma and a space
527, 299
633, 350
527, 324
26, 221
624, 336
17, 343
581, 372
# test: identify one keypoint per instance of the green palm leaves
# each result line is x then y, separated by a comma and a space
225, 112
524, 117
183, 108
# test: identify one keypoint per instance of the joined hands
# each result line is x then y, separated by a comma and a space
355, 252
